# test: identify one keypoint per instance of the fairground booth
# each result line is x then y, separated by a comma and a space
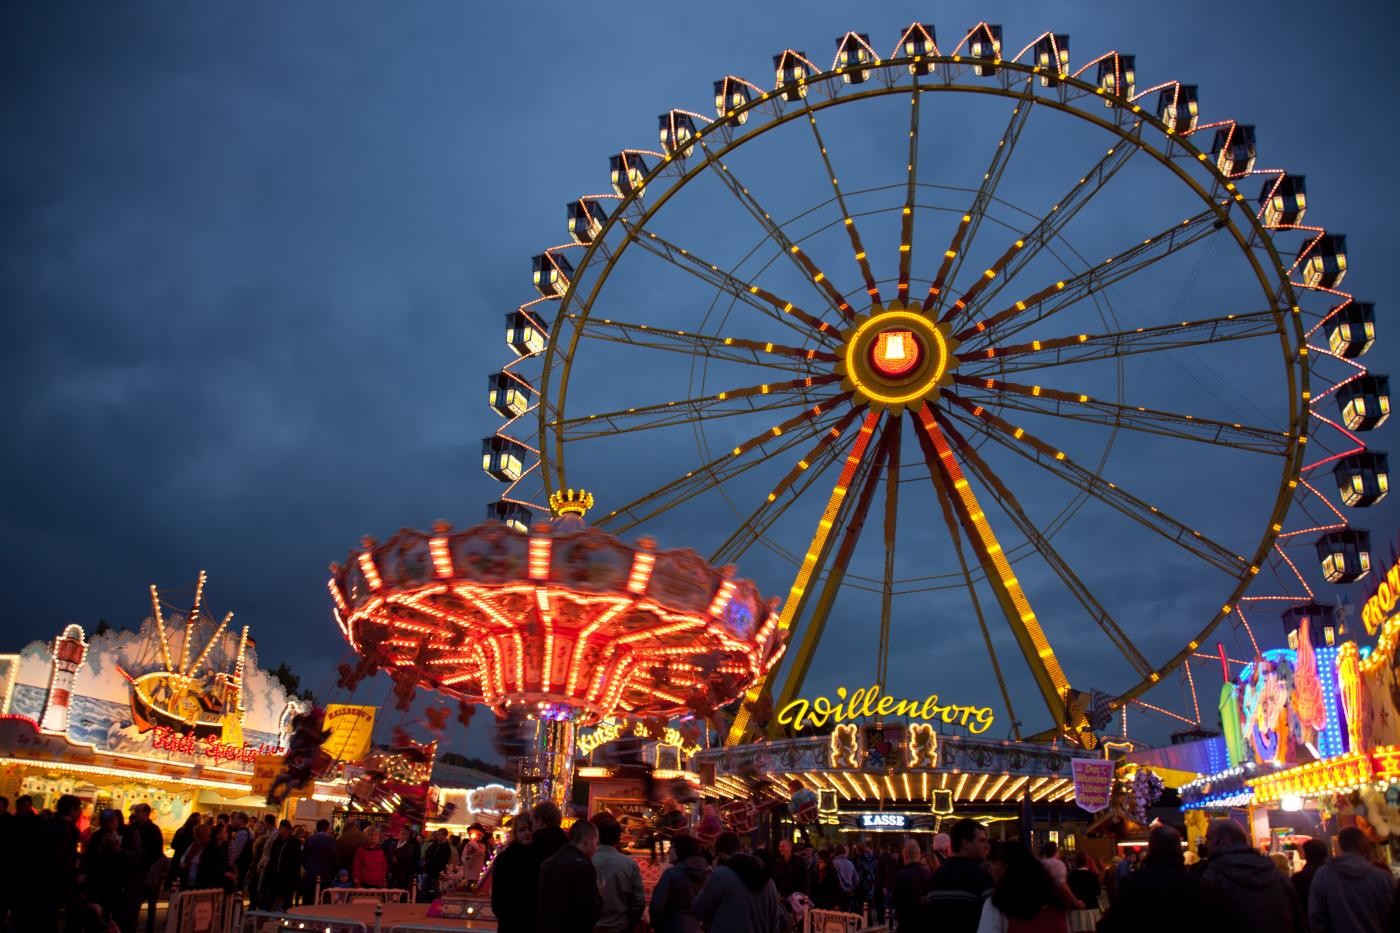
1312, 731
176, 714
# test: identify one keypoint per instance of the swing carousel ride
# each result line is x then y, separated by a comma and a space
862, 292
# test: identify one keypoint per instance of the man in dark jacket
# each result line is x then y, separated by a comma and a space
436, 858
568, 889
1314, 857
739, 897
548, 837
319, 859
954, 896
672, 908
908, 887
144, 840
1254, 893
277, 886
1349, 894
1162, 896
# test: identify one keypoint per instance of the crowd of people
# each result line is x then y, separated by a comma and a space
65, 871
68, 870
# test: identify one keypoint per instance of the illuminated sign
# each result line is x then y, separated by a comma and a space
884, 821
1379, 606
169, 740
610, 730
867, 702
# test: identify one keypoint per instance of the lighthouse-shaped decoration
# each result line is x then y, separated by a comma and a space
69, 650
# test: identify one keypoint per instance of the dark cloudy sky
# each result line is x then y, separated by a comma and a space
255, 258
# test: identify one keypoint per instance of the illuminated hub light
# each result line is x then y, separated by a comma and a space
1362, 478
1364, 402
894, 353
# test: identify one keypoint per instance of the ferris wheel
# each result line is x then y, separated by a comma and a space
950, 340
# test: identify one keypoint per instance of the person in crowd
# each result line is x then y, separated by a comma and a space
183, 836
240, 850
514, 879
473, 854
1314, 857
262, 849
436, 857
50, 866
867, 871
351, 838
1255, 896
908, 888
548, 837
203, 864
670, 823
739, 897
1059, 873
370, 868
318, 859
1083, 884
938, 852
1282, 863
144, 839
110, 870
281, 876
1026, 898
826, 885
953, 898
1162, 896
709, 827
845, 876
619, 880
782, 869
1350, 894
567, 892
404, 858
672, 908
888, 866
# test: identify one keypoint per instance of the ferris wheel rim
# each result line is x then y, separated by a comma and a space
1279, 290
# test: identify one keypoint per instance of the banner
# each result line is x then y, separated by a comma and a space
1093, 783
265, 771
350, 727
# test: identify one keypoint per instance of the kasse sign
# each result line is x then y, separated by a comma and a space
884, 821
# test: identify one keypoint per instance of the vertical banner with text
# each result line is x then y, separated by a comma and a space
1093, 783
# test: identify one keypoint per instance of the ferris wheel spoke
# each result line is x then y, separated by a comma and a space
837, 506
1078, 407
780, 310
906, 220
794, 252
945, 504
741, 401
1026, 248
1083, 348
1009, 504
1057, 296
729, 349
1025, 627
1032, 448
797, 481
724, 468
967, 227
865, 478
882, 650
856, 245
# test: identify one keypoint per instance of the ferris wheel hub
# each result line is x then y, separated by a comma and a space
895, 357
